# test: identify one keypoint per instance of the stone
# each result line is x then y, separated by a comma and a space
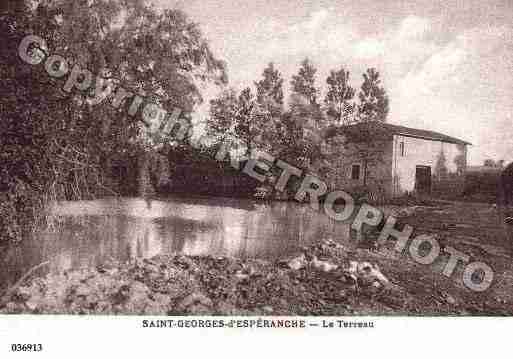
122, 295
297, 263
404, 212
369, 273
200, 309
195, 298
449, 299
268, 309
241, 276
365, 274
323, 266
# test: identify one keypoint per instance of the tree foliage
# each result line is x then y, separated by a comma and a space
235, 118
373, 100
57, 144
270, 90
300, 128
339, 97
303, 83
365, 140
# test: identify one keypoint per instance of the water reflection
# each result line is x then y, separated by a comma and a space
88, 233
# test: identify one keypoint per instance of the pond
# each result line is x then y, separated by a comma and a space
89, 233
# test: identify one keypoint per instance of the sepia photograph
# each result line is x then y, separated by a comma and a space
286, 160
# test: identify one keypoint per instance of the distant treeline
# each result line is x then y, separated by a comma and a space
195, 171
191, 172
59, 144
482, 185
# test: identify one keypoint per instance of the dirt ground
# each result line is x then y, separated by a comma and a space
329, 278
478, 231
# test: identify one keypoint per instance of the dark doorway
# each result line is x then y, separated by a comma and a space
423, 180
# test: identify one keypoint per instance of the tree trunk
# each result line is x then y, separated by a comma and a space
145, 188
163, 171
365, 173
152, 163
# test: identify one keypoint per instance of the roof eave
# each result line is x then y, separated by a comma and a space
456, 141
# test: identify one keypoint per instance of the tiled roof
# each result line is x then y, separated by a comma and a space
484, 169
389, 130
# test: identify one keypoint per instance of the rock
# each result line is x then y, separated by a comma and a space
250, 271
12, 307
263, 192
195, 298
160, 299
367, 240
34, 302
23, 294
395, 296
449, 299
184, 262
366, 274
138, 291
462, 226
283, 302
122, 294
404, 212
342, 294
268, 309
323, 265
241, 276
149, 262
297, 263
329, 242
200, 309
448, 226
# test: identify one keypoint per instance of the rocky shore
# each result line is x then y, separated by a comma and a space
324, 279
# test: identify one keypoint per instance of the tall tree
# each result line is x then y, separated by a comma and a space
299, 140
234, 118
269, 98
303, 99
161, 56
303, 83
246, 129
339, 98
270, 89
366, 140
374, 103
223, 111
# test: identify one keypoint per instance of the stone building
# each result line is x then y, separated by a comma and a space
394, 160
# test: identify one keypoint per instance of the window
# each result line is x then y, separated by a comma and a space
401, 149
355, 172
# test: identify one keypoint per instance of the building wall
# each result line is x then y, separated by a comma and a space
447, 162
342, 156
394, 173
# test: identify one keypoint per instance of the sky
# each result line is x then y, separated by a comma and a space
447, 65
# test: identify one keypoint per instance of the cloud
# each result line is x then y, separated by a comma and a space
320, 36
464, 89
440, 72
399, 47
316, 20
316, 34
413, 27
486, 39
369, 48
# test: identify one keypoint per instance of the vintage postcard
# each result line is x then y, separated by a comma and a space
234, 165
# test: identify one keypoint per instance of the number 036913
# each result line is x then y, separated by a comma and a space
26, 347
